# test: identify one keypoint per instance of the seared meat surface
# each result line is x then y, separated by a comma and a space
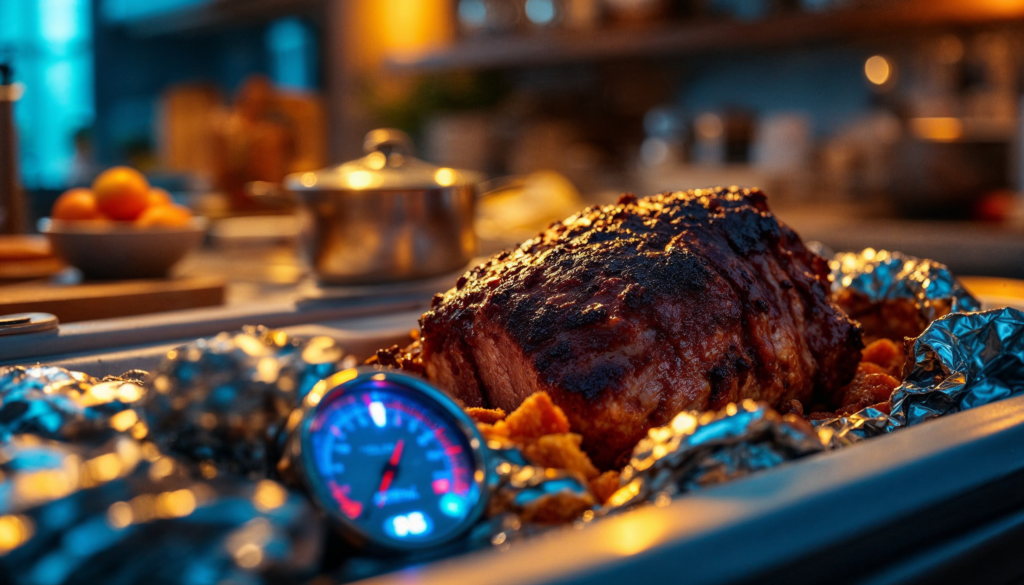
628, 314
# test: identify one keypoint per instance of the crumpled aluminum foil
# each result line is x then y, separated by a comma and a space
961, 361
222, 402
519, 487
696, 450
124, 513
526, 499
60, 404
880, 275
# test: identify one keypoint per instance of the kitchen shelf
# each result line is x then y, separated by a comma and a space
217, 14
710, 36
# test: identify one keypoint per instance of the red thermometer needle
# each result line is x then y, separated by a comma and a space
389, 473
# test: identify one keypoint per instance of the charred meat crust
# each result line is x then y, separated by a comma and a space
628, 313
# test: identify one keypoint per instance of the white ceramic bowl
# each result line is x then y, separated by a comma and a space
115, 250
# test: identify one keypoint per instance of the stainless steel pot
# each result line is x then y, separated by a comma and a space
386, 217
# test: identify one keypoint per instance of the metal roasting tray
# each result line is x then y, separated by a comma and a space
939, 502
903, 507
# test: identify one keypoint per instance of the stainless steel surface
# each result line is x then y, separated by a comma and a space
360, 336
92, 337
973, 248
386, 217
389, 165
12, 197
18, 319
27, 323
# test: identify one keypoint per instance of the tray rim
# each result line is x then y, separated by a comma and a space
730, 532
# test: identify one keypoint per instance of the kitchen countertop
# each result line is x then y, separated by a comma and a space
967, 247
272, 274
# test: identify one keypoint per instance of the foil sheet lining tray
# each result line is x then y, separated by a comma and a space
160, 478
178, 465
962, 361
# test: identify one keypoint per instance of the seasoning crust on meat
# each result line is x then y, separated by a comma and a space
627, 314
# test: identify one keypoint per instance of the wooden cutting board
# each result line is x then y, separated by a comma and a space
104, 300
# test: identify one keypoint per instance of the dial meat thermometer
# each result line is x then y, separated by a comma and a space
394, 462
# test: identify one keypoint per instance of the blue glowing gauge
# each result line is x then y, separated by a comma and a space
395, 462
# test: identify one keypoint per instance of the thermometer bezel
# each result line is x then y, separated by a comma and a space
420, 390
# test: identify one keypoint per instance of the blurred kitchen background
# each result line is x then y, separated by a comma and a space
885, 123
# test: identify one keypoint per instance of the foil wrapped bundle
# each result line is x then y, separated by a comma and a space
56, 403
961, 361
125, 513
534, 494
526, 499
222, 402
696, 450
894, 295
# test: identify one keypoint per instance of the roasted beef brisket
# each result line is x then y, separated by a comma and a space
627, 314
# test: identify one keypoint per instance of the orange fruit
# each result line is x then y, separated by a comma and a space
121, 193
171, 216
76, 205
158, 197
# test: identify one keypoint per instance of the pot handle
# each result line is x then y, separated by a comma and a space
387, 141
499, 185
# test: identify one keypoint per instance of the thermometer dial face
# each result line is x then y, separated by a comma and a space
394, 461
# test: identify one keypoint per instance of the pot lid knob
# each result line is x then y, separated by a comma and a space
387, 141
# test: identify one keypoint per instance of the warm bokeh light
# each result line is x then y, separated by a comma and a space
162, 384
123, 420
250, 345
937, 129
267, 369
321, 350
360, 179
269, 495
161, 468
636, 535
997, 7
625, 493
15, 530
878, 69
119, 515
105, 392
140, 430
175, 504
248, 555
104, 468
321, 387
445, 177
397, 29
246, 543
376, 160
208, 470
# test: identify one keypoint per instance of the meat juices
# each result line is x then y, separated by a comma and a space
627, 314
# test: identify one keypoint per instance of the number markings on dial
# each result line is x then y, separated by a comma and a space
367, 457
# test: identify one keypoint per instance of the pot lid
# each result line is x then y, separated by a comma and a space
389, 164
